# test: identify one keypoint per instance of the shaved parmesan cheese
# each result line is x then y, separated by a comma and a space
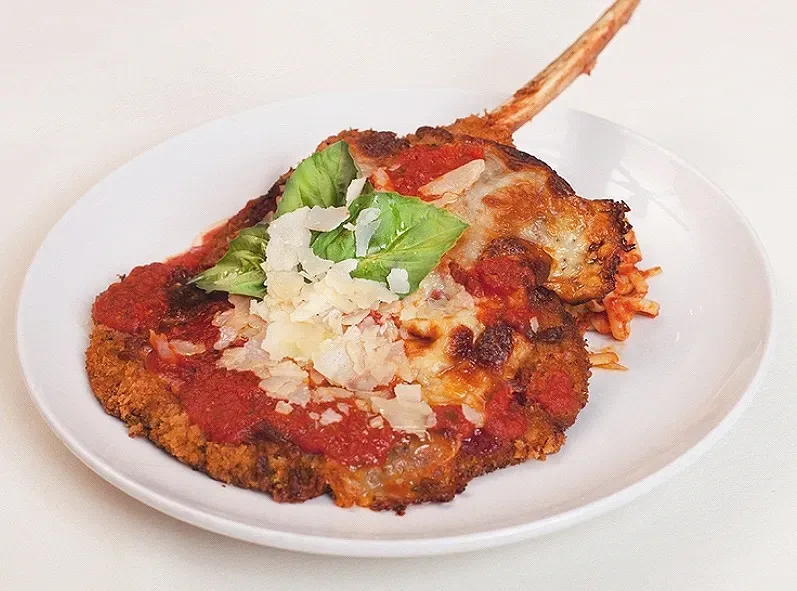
364, 229
287, 237
227, 336
473, 415
331, 392
408, 392
284, 285
287, 382
398, 280
186, 347
236, 322
325, 219
169, 350
456, 181
329, 416
354, 317
313, 264
250, 357
297, 340
362, 358
361, 293
283, 408
354, 189
300, 396
377, 422
404, 415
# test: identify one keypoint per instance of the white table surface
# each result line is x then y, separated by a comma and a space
85, 86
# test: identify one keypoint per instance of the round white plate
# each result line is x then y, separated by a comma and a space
692, 369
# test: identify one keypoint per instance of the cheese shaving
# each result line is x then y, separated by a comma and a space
398, 281
534, 324
325, 219
354, 189
288, 236
313, 265
408, 392
364, 229
329, 416
404, 415
283, 408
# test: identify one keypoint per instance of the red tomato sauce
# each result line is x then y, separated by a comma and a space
553, 390
452, 422
500, 283
501, 275
505, 418
138, 302
420, 164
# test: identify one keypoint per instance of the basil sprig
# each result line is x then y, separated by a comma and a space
321, 179
240, 270
411, 235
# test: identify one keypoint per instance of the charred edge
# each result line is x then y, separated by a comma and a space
256, 209
432, 136
559, 186
265, 433
553, 334
493, 347
376, 144
460, 342
617, 210
540, 295
518, 160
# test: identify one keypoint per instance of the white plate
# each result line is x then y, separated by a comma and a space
692, 369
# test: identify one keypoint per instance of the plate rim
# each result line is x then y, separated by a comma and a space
360, 547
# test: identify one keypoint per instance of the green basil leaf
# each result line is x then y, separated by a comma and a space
321, 179
412, 235
239, 271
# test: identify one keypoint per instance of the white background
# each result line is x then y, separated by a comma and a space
84, 89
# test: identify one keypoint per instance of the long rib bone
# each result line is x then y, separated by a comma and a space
577, 59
